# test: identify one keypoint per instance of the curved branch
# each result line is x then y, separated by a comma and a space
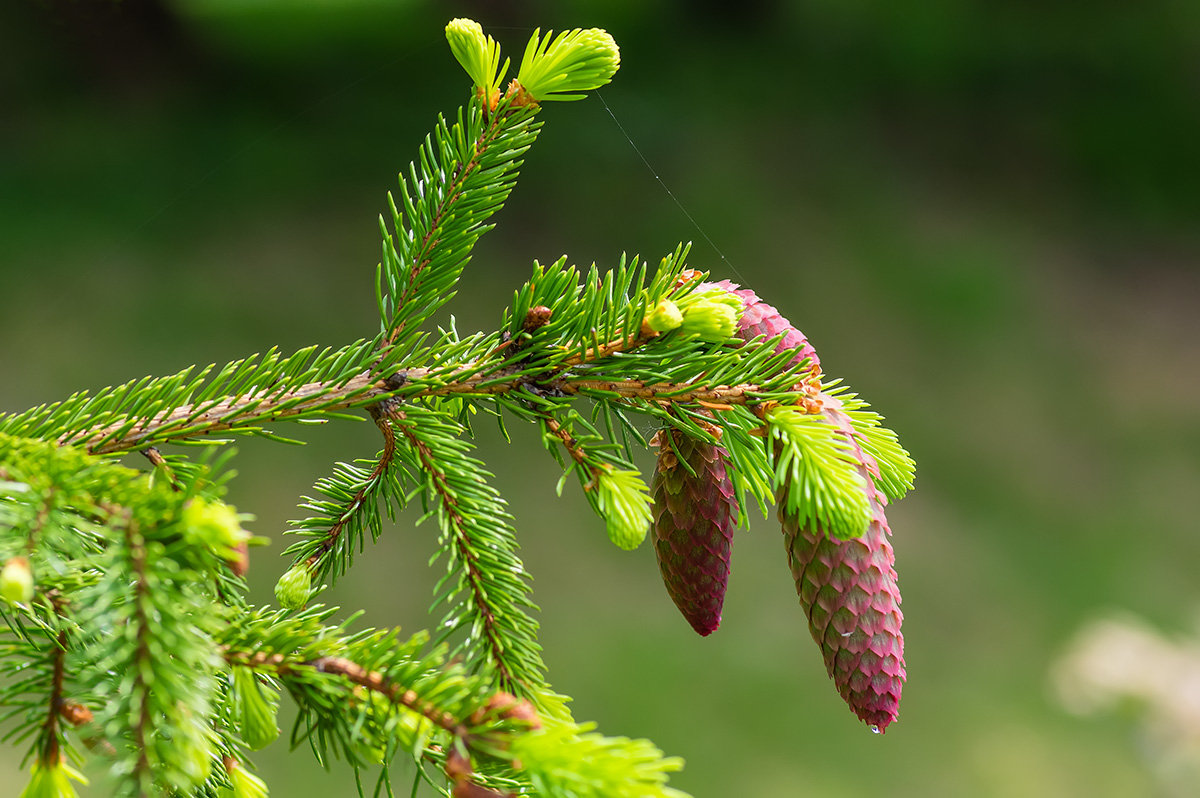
381, 465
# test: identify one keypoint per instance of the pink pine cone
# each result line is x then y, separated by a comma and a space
694, 515
848, 588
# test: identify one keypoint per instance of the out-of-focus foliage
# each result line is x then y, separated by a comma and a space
1121, 665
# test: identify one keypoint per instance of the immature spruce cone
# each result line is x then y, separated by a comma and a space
848, 588
693, 526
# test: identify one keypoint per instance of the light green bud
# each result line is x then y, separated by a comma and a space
256, 709
292, 589
709, 320
665, 316
53, 781
16, 581
465, 35
574, 61
216, 525
245, 784
479, 55
624, 501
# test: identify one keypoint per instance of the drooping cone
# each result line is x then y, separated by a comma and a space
849, 590
694, 514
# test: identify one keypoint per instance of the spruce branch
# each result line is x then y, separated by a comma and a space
121, 591
431, 702
466, 172
485, 589
163, 720
348, 507
111, 423
280, 666
35, 652
240, 398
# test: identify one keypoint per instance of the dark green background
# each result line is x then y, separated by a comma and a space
982, 214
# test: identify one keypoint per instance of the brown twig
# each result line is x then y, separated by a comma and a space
50, 753
568, 441
355, 673
573, 448
231, 412
608, 349
377, 683
665, 392
157, 460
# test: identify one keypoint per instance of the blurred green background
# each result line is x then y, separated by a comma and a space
984, 215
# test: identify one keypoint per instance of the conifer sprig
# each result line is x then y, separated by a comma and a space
896, 467
38, 684
98, 610
572, 760
321, 664
427, 704
820, 468
465, 173
241, 398
310, 387
563, 67
163, 720
347, 509
485, 590
479, 55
